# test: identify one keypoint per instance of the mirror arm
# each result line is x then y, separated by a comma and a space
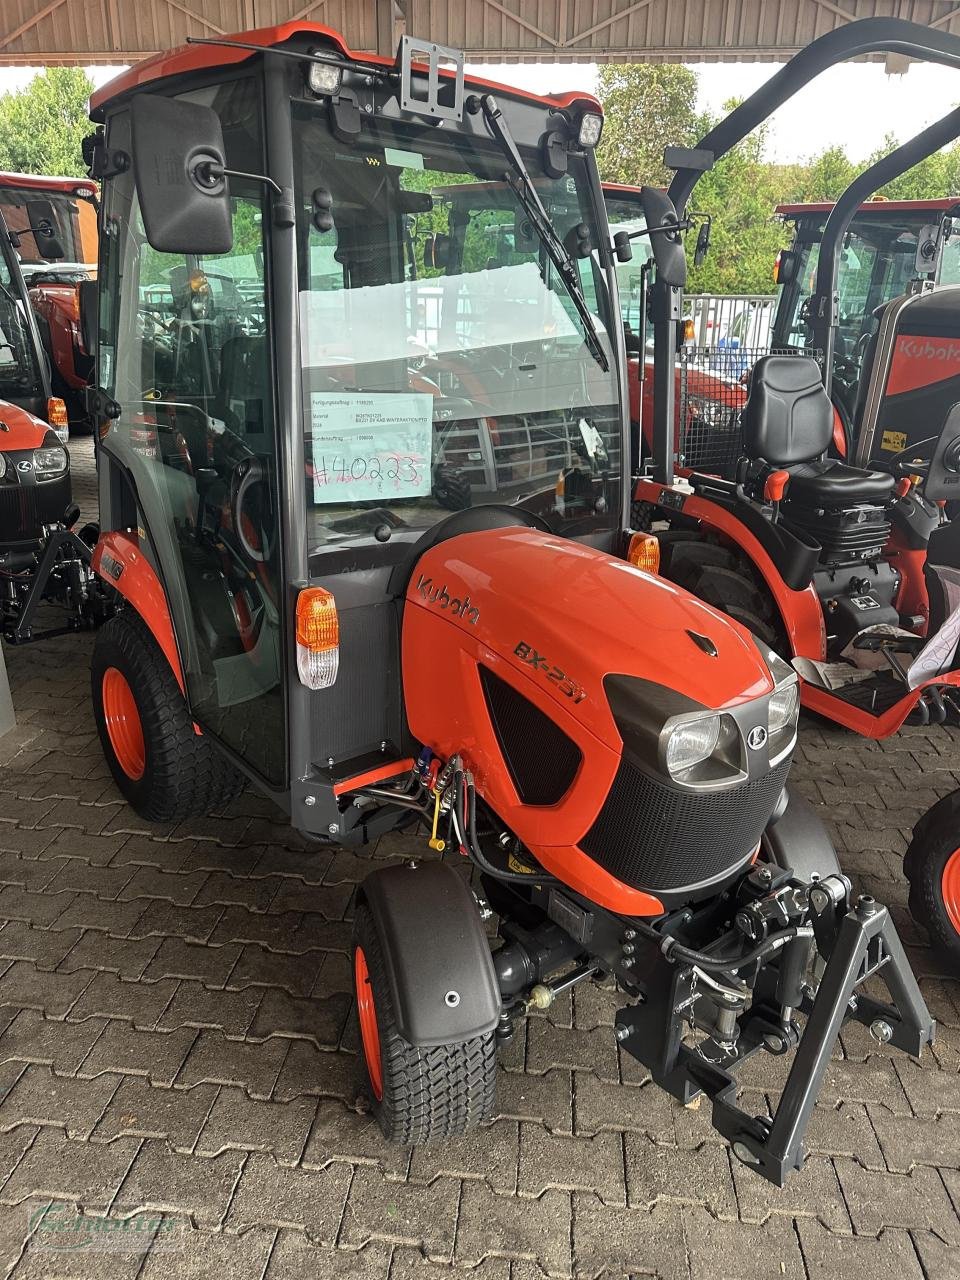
683, 224
284, 213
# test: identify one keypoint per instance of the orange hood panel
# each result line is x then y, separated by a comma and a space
20, 429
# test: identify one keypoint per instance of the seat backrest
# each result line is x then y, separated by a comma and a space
788, 416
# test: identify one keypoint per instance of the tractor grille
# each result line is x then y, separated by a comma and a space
20, 514
541, 759
653, 836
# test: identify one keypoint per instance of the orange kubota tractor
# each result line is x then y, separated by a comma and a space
280, 362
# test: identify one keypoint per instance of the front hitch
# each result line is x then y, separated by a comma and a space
851, 943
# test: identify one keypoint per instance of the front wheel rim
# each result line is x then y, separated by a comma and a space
122, 719
369, 1030
950, 889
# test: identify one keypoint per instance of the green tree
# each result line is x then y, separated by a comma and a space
647, 107
43, 124
826, 177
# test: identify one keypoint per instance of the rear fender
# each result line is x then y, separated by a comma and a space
437, 956
799, 609
118, 560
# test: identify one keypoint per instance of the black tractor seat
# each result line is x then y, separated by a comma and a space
788, 424
833, 484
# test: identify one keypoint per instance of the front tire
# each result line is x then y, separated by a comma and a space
420, 1093
932, 867
164, 769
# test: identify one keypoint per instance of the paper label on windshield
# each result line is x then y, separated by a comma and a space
369, 448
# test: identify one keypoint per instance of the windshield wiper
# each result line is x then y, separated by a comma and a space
522, 186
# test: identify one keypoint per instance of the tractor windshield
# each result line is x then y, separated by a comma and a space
445, 362
876, 264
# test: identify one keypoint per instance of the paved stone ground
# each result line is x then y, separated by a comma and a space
181, 1092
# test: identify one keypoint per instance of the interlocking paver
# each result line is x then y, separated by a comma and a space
628, 1242
171, 1182
86, 1173
296, 1257
107, 996
192, 1254
343, 1133
831, 1257
217, 1060
141, 1110
124, 1048
491, 1155
877, 1200
380, 1208
272, 1194
40, 1097
237, 1121
30, 1037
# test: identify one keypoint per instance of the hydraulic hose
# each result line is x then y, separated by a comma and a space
473, 844
730, 964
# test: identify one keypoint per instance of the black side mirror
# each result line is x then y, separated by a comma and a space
703, 243
786, 266
436, 251
87, 300
45, 230
179, 167
665, 237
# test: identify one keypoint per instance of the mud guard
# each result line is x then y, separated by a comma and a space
799, 839
118, 560
437, 956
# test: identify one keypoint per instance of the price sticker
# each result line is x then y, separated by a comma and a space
370, 448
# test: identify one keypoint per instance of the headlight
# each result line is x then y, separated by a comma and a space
3, 466
715, 413
690, 742
783, 707
50, 462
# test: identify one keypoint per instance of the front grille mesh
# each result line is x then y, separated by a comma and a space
20, 515
657, 837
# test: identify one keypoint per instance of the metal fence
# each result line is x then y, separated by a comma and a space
713, 390
736, 320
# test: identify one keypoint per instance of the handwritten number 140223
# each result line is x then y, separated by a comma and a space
392, 468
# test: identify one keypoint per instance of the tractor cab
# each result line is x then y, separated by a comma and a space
371, 302
889, 248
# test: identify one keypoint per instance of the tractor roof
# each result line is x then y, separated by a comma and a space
879, 207
197, 57
44, 182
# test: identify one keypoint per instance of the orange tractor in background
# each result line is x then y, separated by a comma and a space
53, 227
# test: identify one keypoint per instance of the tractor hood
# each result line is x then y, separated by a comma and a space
20, 430
567, 616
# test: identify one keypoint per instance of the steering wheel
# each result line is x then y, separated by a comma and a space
244, 480
915, 459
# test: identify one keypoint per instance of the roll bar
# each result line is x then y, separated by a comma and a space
824, 305
855, 40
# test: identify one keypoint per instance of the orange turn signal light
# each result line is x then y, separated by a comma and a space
57, 412
689, 332
318, 627
318, 638
644, 552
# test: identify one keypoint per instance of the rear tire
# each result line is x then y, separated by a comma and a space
932, 867
723, 579
420, 1093
164, 769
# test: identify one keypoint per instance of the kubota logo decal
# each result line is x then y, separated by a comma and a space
919, 361
442, 598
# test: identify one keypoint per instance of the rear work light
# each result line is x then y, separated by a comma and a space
644, 552
591, 127
318, 638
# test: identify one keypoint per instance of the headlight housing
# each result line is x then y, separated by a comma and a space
50, 462
783, 707
715, 413
3, 466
